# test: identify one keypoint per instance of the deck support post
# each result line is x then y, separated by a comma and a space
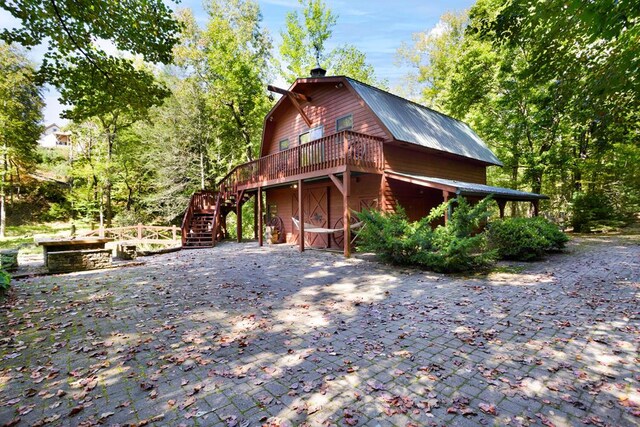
300, 217
346, 186
259, 223
238, 220
255, 218
536, 207
501, 205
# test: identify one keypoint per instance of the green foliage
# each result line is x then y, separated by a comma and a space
303, 46
588, 208
90, 79
454, 247
57, 212
459, 245
393, 237
5, 281
548, 85
525, 239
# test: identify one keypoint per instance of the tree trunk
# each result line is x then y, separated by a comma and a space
3, 211
202, 184
536, 182
107, 185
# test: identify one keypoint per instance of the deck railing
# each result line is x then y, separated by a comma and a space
329, 152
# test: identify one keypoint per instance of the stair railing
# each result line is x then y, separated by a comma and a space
217, 216
198, 201
186, 220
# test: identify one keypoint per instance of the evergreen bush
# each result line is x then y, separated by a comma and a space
5, 282
454, 247
524, 239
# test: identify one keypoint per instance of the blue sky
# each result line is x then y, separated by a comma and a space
376, 27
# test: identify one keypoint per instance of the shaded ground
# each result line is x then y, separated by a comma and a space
245, 336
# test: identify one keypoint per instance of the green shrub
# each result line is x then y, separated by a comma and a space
5, 282
393, 237
525, 239
453, 247
589, 207
57, 212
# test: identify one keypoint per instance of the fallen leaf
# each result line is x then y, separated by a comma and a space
489, 409
190, 401
76, 410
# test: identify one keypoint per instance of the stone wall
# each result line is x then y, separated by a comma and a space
126, 251
9, 259
87, 259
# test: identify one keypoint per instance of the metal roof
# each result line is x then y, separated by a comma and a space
468, 188
414, 123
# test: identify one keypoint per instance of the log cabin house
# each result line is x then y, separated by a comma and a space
333, 145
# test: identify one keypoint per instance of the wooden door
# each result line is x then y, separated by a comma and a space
316, 212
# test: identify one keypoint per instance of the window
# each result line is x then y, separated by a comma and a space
311, 135
284, 144
344, 123
316, 133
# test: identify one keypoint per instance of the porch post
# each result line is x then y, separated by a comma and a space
300, 217
259, 223
501, 205
382, 202
445, 196
536, 206
346, 185
255, 218
239, 221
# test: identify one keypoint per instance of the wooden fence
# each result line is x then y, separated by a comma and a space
138, 233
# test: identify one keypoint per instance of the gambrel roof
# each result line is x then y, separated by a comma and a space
417, 124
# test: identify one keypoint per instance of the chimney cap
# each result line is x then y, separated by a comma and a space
318, 72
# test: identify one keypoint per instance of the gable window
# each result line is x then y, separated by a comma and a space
284, 144
303, 138
344, 123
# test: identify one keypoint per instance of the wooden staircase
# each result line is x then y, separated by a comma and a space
199, 221
204, 222
200, 231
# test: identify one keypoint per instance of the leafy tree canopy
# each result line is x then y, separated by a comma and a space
75, 31
304, 46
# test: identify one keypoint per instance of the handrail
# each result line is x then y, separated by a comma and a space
342, 148
216, 218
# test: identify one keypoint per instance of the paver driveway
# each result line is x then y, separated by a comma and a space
241, 335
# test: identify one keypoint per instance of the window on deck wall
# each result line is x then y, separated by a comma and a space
314, 153
284, 144
344, 123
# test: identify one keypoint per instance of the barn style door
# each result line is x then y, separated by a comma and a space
316, 212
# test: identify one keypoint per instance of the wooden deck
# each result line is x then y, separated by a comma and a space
329, 155
338, 154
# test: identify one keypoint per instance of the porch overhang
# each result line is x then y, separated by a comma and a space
469, 189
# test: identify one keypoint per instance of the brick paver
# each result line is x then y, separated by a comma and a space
245, 336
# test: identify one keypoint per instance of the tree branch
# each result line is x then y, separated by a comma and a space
75, 43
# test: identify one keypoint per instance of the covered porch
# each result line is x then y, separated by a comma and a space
442, 190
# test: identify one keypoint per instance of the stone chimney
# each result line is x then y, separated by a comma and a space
318, 72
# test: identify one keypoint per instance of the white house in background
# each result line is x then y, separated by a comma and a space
53, 136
